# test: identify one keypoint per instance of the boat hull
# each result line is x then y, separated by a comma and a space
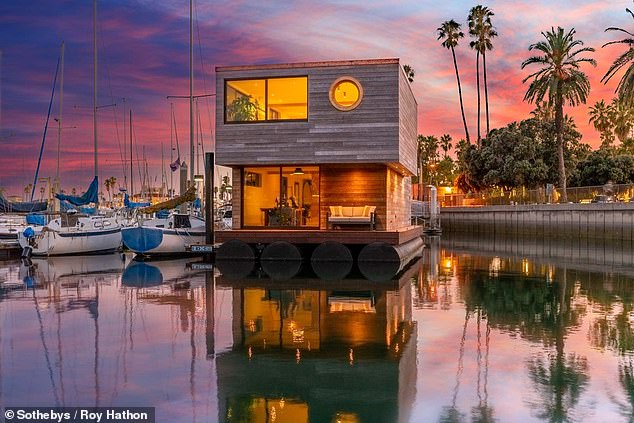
50, 243
151, 240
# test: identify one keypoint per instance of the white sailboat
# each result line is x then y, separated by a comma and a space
173, 234
179, 231
71, 233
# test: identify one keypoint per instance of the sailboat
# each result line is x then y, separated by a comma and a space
177, 232
172, 234
72, 233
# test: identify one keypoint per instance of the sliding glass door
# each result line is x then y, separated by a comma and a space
281, 197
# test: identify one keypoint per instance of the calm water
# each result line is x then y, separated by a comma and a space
520, 333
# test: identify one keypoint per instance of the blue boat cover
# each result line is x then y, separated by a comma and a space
35, 219
131, 204
65, 206
90, 196
7, 206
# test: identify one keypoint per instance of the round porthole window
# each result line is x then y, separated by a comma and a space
346, 93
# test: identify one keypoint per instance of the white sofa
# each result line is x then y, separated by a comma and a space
352, 215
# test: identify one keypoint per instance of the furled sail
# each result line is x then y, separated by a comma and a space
90, 196
189, 195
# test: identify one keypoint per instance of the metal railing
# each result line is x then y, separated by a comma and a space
495, 197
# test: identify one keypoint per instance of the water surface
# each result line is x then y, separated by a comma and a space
505, 335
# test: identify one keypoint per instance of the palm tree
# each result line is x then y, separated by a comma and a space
625, 88
481, 29
409, 71
27, 189
449, 32
600, 117
445, 144
560, 79
622, 117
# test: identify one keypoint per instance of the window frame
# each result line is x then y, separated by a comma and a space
333, 87
266, 100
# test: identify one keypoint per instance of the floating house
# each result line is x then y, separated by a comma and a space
320, 152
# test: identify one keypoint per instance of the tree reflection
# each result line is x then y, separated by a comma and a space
450, 413
540, 311
559, 381
626, 379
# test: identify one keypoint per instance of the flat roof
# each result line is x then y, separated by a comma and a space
309, 64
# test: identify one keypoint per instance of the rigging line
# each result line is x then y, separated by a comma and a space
114, 112
178, 150
48, 116
204, 80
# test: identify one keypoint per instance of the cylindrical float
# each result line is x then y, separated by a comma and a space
235, 259
281, 260
380, 261
331, 261
234, 249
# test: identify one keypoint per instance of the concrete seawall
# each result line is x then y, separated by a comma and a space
608, 221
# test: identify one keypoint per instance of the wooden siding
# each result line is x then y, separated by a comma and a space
408, 127
354, 185
399, 200
367, 134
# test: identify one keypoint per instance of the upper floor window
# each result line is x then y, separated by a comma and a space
270, 99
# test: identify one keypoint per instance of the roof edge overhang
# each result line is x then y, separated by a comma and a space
323, 64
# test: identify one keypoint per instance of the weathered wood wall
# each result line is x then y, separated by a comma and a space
408, 126
368, 134
354, 185
399, 200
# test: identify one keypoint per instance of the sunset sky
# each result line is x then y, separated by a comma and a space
144, 57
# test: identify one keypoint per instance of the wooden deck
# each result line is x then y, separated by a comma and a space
266, 236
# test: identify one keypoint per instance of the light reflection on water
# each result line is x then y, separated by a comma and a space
459, 336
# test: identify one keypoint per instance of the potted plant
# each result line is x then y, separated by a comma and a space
243, 108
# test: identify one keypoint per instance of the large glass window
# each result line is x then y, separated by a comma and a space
281, 197
272, 99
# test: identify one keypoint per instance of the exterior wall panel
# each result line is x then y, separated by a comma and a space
368, 134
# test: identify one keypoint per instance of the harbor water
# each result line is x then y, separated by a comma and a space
466, 333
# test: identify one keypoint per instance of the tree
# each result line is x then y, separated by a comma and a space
409, 72
27, 189
601, 120
427, 153
445, 144
481, 29
110, 183
561, 80
449, 32
622, 118
625, 87
602, 166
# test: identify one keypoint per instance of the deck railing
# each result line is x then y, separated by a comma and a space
588, 194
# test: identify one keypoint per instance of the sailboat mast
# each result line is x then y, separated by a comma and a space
131, 161
94, 93
191, 92
59, 119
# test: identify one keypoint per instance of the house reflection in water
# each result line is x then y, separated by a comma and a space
303, 352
